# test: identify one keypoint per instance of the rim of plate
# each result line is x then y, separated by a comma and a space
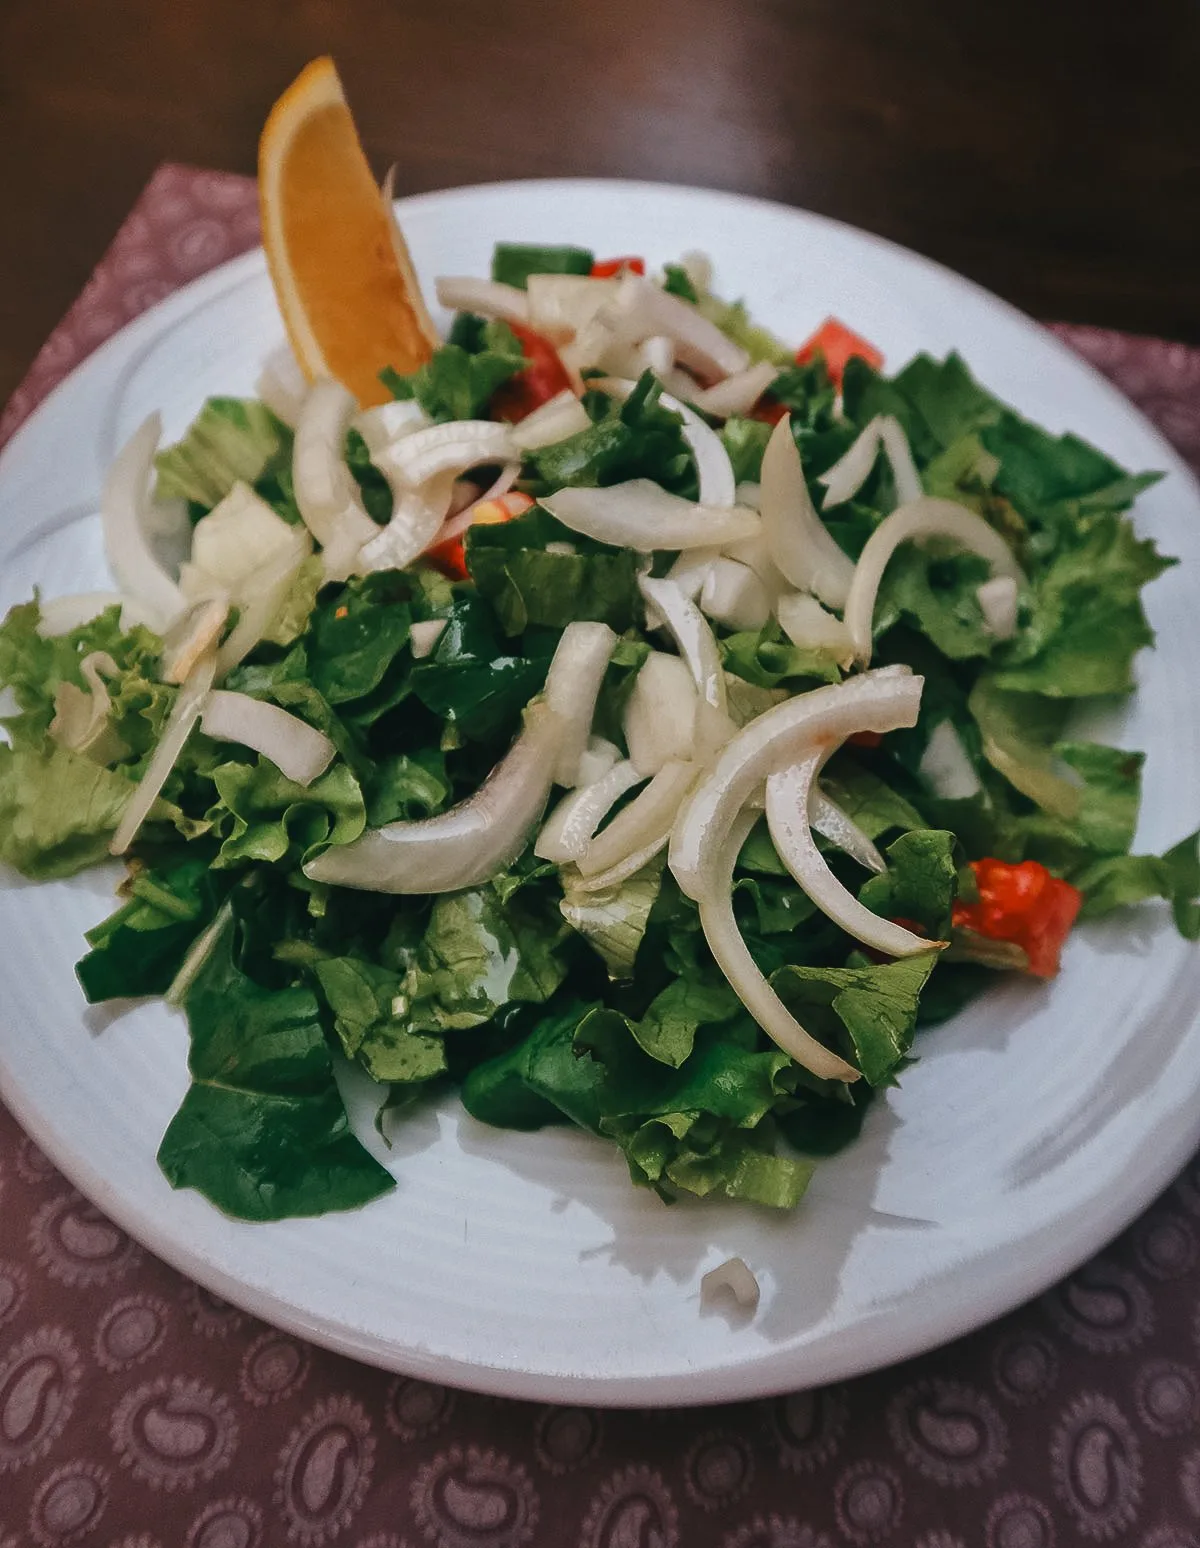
933, 1323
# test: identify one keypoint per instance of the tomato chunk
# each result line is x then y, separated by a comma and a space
450, 557
839, 345
1023, 904
542, 379
607, 268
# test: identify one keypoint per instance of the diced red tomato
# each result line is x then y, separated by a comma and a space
608, 268
866, 738
450, 557
769, 410
1023, 904
839, 346
542, 379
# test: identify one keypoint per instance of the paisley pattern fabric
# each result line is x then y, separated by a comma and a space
138, 1411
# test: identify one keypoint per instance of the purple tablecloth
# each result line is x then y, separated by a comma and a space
137, 1411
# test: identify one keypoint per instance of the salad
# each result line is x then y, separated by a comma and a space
633, 723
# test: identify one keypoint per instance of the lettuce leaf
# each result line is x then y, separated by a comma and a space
876, 1007
230, 440
478, 954
525, 584
614, 922
455, 382
368, 1017
920, 883
638, 438
262, 815
262, 1131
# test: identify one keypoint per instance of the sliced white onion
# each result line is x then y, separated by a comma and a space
832, 823
326, 491
789, 792
481, 835
418, 518
282, 385
689, 572
560, 305
756, 552
185, 712
572, 685
423, 637
852, 469
660, 713
388, 422
714, 471
645, 822
514, 504
946, 765
810, 627
191, 637
414, 459
615, 875
738, 393
899, 454
641, 515
734, 1276
599, 756
298, 750
801, 546
749, 492
486, 298
998, 604
924, 518
641, 309
465, 845
126, 516
568, 830
876, 701
689, 629
551, 422
261, 600
733, 957
733, 595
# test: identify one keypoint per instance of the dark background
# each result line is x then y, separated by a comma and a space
1050, 151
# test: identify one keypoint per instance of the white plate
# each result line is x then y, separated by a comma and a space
1034, 1127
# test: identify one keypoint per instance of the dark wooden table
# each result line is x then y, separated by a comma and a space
1048, 148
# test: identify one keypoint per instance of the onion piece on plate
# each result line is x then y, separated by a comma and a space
568, 830
326, 492
645, 822
689, 629
641, 515
714, 471
572, 686
660, 713
738, 393
480, 836
127, 520
185, 712
789, 792
486, 298
802, 547
924, 518
713, 824
832, 823
299, 751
